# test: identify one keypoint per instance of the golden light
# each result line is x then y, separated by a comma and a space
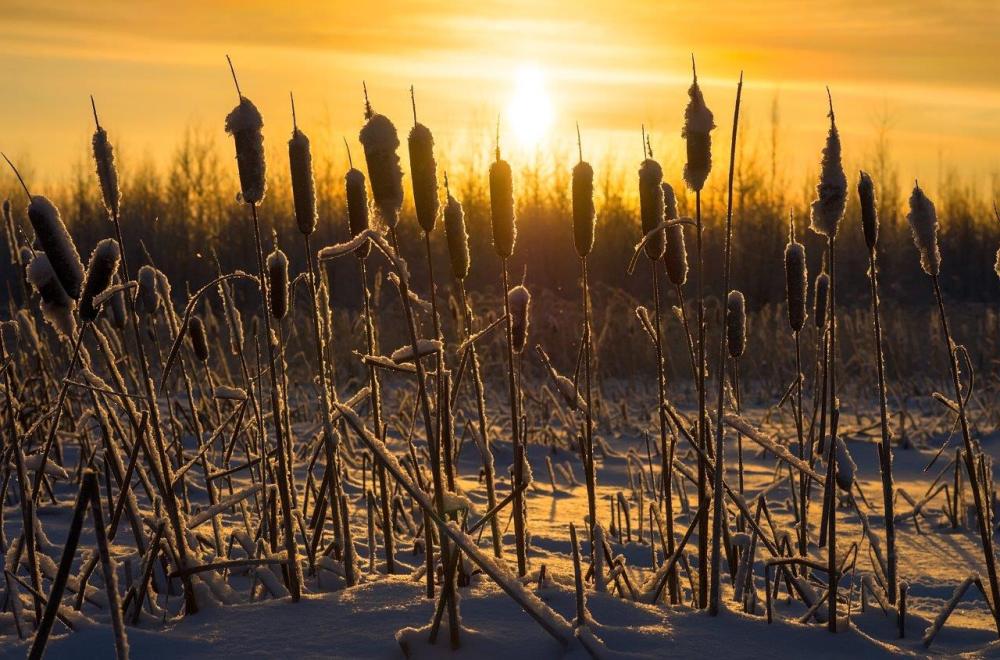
530, 112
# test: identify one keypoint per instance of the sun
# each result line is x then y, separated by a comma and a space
530, 112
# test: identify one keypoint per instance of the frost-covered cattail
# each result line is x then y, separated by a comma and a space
584, 215
846, 467
423, 172
697, 134
147, 298
675, 256
117, 311
379, 139
821, 299
519, 300
245, 124
651, 205
502, 206
277, 278
458, 239
52, 236
199, 340
357, 204
107, 173
100, 271
831, 191
736, 324
303, 184
27, 330
869, 209
57, 305
923, 223
796, 283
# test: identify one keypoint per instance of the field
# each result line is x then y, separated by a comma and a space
227, 461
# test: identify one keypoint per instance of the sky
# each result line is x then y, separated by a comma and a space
925, 72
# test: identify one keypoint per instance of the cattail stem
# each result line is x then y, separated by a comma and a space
833, 567
970, 454
702, 413
799, 430
518, 445
591, 472
666, 446
718, 504
885, 447
284, 494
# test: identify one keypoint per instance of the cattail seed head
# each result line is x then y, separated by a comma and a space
796, 284
846, 467
697, 133
923, 223
831, 191
303, 184
821, 299
519, 300
869, 210
107, 173
675, 255
458, 239
244, 123
117, 310
53, 238
669, 202
379, 139
502, 208
100, 271
57, 305
147, 298
277, 276
423, 172
584, 216
651, 205
357, 207
736, 324
199, 340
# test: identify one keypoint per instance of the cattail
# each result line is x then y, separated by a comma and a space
107, 173
199, 340
821, 299
100, 271
244, 123
379, 139
118, 312
423, 171
831, 191
303, 184
519, 300
669, 202
923, 223
357, 206
796, 283
55, 241
57, 305
584, 215
736, 324
277, 277
164, 291
458, 239
697, 133
147, 298
846, 467
869, 210
502, 207
651, 205
675, 256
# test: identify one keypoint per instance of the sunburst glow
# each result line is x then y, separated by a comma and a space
530, 111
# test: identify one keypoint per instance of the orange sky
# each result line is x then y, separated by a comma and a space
931, 67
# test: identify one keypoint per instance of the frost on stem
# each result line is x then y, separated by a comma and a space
651, 205
100, 271
380, 142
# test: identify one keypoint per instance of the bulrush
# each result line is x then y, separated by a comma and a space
107, 173
502, 205
651, 205
869, 212
736, 324
821, 299
423, 172
303, 184
199, 340
796, 283
697, 134
100, 271
675, 256
923, 223
584, 215
277, 275
380, 142
57, 305
357, 203
458, 239
831, 191
519, 299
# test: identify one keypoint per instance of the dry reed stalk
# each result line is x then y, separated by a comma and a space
796, 291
